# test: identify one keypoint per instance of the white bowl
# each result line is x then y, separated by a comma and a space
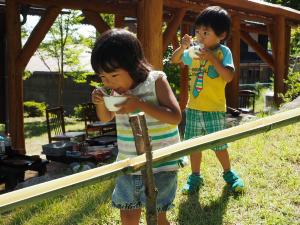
194, 50
111, 101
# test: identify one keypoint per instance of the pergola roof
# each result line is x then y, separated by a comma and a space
247, 16
247, 8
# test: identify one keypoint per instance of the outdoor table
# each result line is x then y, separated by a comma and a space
13, 167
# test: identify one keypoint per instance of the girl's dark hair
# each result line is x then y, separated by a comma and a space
217, 18
119, 48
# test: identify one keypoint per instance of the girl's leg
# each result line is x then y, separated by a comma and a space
130, 217
223, 158
162, 219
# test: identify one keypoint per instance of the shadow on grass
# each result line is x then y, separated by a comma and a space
25, 213
34, 129
90, 207
38, 128
191, 212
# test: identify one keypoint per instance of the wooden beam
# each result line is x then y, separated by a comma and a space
128, 9
258, 49
36, 36
96, 20
119, 21
260, 7
260, 29
172, 27
198, 7
150, 30
61, 186
232, 88
15, 81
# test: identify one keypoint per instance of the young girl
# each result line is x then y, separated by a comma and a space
119, 60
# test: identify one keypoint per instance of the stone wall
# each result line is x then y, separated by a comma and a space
43, 87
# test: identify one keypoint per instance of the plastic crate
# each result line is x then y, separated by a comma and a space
57, 148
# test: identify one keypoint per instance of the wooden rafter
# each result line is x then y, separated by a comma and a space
128, 9
260, 8
260, 29
196, 8
258, 49
96, 20
37, 35
172, 27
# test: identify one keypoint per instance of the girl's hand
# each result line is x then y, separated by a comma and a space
130, 105
186, 41
97, 97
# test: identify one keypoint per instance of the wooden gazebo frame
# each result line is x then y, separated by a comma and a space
273, 20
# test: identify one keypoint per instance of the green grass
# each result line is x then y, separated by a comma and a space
269, 163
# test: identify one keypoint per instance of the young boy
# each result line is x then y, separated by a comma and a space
210, 71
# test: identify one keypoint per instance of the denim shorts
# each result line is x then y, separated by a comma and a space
129, 192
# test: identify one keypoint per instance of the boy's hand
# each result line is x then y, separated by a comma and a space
206, 54
186, 41
97, 97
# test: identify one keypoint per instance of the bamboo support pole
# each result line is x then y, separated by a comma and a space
142, 142
62, 185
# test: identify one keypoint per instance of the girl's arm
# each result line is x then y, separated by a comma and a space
102, 113
168, 110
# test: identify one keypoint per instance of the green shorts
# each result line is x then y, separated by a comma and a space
199, 123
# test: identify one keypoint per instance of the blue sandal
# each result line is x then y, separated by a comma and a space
234, 181
193, 184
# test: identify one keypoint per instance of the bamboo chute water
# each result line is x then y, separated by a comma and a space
56, 187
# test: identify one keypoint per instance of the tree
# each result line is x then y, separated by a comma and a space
62, 43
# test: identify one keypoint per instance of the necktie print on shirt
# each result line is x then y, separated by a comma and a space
198, 85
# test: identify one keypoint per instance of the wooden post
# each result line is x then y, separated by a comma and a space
172, 27
150, 30
184, 76
119, 21
142, 143
15, 81
280, 59
232, 88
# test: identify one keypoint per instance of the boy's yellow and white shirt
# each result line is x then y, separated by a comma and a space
212, 97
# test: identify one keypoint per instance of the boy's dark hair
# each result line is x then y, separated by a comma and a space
120, 49
217, 18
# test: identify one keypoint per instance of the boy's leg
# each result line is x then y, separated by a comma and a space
216, 121
194, 128
195, 180
223, 158
231, 177
130, 217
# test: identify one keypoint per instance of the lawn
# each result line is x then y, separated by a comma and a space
269, 164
